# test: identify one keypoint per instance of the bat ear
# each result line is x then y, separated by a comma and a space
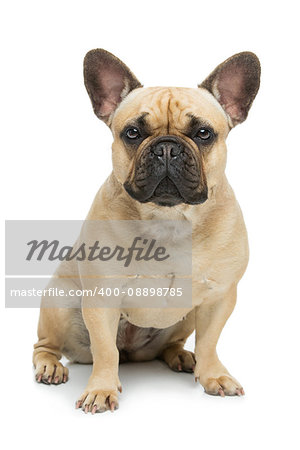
235, 83
107, 81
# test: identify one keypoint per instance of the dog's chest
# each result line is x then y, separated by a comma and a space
155, 317
200, 284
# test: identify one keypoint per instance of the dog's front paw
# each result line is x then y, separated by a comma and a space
223, 385
218, 382
98, 400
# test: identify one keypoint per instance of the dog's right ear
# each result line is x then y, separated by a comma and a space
107, 81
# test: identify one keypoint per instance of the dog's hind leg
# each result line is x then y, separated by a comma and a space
173, 353
48, 350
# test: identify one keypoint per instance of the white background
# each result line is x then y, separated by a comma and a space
57, 154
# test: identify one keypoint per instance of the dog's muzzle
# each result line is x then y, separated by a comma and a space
168, 173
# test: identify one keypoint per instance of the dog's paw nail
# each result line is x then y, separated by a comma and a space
39, 379
179, 367
120, 388
86, 409
242, 391
56, 380
78, 404
65, 379
49, 379
221, 392
112, 406
94, 409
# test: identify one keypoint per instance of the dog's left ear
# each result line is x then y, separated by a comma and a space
235, 83
107, 80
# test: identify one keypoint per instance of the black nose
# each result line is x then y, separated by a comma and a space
167, 149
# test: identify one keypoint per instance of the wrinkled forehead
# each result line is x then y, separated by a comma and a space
166, 109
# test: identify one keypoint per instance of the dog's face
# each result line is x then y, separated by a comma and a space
169, 143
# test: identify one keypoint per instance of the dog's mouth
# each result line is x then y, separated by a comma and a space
166, 193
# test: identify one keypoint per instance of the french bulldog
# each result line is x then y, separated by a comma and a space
169, 158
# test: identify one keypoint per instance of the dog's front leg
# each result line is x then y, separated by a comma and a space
101, 392
211, 317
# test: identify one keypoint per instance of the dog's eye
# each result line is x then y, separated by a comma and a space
132, 133
204, 134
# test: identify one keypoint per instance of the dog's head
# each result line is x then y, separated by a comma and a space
169, 143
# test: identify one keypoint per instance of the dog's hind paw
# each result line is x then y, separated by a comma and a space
178, 359
50, 371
